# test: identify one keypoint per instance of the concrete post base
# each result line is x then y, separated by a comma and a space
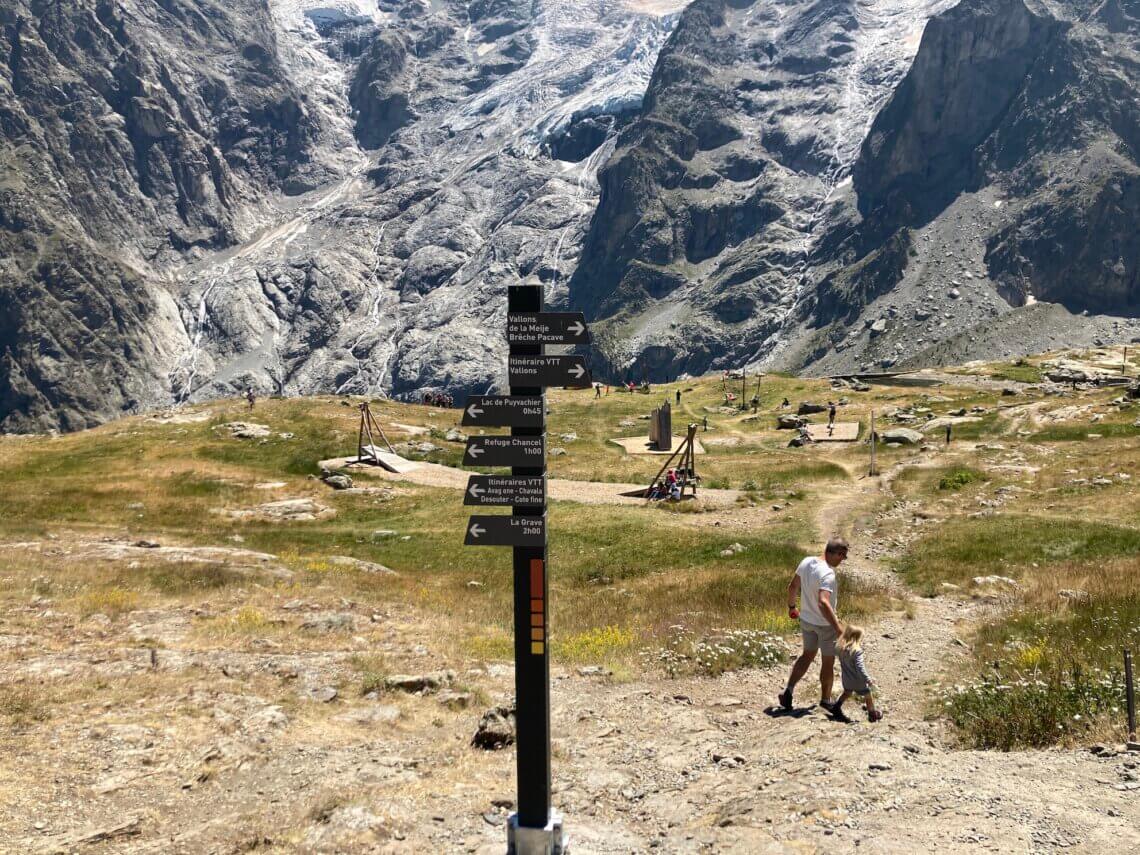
537, 841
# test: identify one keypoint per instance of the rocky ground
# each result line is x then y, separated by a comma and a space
179, 742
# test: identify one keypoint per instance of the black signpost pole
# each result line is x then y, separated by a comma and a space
534, 829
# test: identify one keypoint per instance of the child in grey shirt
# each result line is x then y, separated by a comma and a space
856, 680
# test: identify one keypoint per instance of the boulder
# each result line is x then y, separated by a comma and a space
496, 729
338, 482
790, 422
902, 436
807, 408
420, 683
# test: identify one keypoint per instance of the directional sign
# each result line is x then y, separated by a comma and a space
505, 451
503, 411
506, 531
505, 490
547, 328
568, 371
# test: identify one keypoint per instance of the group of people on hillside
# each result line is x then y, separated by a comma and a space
669, 488
812, 598
438, 399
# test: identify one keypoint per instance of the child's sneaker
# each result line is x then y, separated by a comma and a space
785, 699
875, 715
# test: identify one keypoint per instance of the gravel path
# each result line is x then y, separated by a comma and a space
558, 489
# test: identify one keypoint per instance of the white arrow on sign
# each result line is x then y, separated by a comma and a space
476, 530
476, 491
475, 451
474, 411
578, 371
577, 328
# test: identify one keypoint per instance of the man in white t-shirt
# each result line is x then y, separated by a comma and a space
817, 588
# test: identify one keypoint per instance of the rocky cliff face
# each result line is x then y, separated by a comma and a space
715, 196
131, 134
1008, 156
291, 194
332, 195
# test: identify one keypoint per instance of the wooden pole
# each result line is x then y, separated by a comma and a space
360, 434
873, 473
1130, 697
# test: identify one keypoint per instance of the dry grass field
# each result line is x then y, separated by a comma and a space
197, 634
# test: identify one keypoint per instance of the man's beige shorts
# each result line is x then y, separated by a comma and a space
821, 638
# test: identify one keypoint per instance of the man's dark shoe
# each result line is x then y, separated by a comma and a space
830, 706
786, 699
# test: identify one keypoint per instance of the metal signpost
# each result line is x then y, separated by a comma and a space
535, 829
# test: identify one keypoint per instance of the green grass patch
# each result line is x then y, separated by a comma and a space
1019, 372
960, 549
958, 478
1047, 676
1079, 432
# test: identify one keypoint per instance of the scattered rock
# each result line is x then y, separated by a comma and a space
361, 565
454, 435
455, 700
902, 436
806, 408
496, 729
372, 715
328, 622
265, 719
556, 452
594, 671
790, 422
322, 694
338, 482
246, 430
420, 683
732, 549
1005, 581
287, 510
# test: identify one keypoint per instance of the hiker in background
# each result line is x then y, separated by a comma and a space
853, 673
785, 404
948, 428
830, 415
597, 390
678, 397
250, 396
706, 422
816, 586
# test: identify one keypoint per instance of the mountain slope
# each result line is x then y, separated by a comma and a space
999, 172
